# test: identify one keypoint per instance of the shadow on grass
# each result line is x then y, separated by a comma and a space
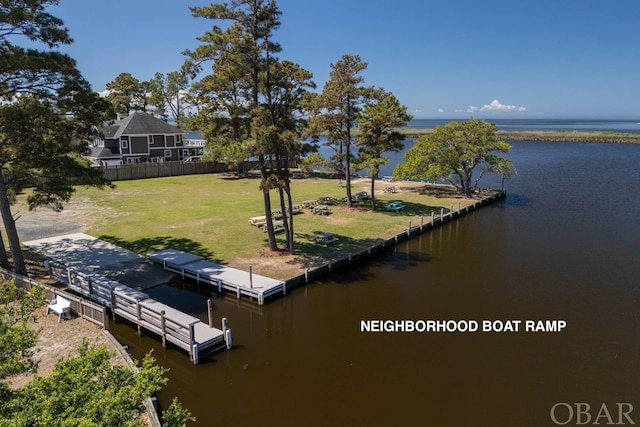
148, 245
410, 208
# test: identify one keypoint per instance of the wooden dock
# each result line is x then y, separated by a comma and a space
180, 329
90, 267
242, 283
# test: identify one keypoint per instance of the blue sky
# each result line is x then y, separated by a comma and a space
453, 58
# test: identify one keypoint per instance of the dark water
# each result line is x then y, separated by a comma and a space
564, 246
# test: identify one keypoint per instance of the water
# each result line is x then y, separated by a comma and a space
601, 125
564, 245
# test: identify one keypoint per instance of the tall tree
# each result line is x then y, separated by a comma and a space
128, 94
336, 110
454, 151
241, 94
288, 89
45, 106
169, 94
377, 123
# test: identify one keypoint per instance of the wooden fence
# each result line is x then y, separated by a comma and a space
156, 170
85, 309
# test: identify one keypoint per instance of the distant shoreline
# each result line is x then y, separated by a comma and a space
550, 136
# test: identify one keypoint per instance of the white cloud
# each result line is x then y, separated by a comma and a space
104, 93
440, 110
417, 111
497, 106
472, 109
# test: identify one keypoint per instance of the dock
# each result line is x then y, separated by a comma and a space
88, 278
224, 278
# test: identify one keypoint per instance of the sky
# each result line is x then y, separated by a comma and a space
442, 59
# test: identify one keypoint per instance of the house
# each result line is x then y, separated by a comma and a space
139, 138
195, 142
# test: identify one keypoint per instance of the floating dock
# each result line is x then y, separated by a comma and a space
180, 329
242, 283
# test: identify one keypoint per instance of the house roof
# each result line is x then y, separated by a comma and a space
138, 123
193, 134
104, 153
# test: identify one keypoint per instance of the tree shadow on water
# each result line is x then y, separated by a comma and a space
313, 255
147, 245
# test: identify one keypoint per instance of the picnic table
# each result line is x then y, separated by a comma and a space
278, 227
309, 203
258, 221
390, 189
325, 200
362, 195
297, 208
321, 210
395, 206
325, 239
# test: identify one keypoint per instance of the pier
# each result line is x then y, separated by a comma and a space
85, 276
224, 278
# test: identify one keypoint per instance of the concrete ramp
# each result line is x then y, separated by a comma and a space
88, 254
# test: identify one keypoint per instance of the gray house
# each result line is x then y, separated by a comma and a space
139, 138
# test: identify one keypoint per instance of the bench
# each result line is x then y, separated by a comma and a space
60, 306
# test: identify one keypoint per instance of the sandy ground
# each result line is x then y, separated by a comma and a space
61, 341
43, 222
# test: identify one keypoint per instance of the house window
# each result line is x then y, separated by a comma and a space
167, 154
124, 144
150, 139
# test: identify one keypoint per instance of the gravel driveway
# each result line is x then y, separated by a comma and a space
42, 222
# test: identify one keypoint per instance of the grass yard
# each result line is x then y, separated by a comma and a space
208, 215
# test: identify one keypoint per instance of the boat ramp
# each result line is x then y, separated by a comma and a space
85, 264
242, 283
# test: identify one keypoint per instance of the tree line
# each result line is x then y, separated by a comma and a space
246, 101
233, 88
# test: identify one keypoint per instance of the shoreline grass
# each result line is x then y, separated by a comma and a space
208, 215
549, 136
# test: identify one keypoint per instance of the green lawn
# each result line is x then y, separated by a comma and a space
208, 215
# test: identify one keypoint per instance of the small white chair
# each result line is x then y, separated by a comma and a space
60, 306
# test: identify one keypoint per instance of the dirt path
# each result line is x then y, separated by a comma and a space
61, 341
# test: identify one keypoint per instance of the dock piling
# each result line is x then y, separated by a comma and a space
210, 312
163, 326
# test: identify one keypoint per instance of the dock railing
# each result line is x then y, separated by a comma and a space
85, 309
171, 325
